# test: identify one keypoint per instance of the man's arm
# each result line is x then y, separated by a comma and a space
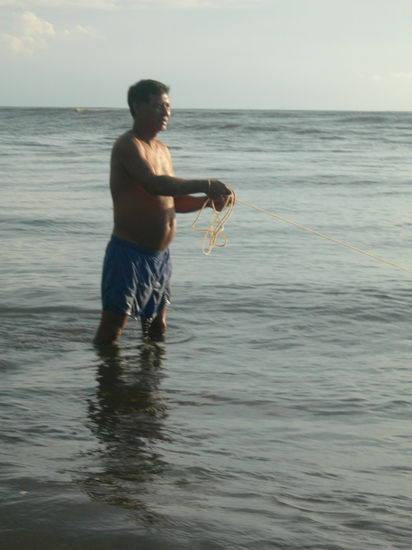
131, 154
187, 203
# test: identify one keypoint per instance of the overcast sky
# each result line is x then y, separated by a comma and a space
264, 54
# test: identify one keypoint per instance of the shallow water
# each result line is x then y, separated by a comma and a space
277, 412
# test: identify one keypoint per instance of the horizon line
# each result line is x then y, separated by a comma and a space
86, 108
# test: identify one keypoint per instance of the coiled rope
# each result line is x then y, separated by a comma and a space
218, 219
216, 223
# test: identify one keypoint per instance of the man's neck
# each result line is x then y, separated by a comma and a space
143, 133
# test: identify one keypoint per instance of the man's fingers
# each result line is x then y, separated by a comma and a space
218, 188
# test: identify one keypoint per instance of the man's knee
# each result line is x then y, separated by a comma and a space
104, 337
110, 328
155, 329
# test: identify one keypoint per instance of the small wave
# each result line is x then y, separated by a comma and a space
374, 118
38, 144
47, 225
90, 111
45, 309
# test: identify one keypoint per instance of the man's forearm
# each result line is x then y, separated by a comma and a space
174, 187
188, 203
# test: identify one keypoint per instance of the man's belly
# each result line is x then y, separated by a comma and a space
152, 229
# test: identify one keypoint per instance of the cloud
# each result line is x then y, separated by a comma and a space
190, 4
79, 30
87, 4
404, 76
390, 76
135, 4
31, 34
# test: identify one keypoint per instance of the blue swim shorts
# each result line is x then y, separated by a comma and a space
136, 280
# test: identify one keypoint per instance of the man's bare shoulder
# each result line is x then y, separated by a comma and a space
128, 140
125, 139
127, 146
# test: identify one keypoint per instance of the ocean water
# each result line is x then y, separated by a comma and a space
277, 414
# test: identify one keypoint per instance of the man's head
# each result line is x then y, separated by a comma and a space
142, 92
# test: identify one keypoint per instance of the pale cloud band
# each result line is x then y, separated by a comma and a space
134, 4
397, 76
31, 33
23, 4
407, 76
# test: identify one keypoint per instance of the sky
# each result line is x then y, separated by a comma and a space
229, 54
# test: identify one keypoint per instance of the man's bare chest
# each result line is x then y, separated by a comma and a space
159, 161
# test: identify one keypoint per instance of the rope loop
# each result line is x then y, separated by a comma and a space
217, 221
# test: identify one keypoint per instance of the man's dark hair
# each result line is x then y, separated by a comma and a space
142, 90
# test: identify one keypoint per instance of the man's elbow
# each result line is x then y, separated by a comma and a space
154, 185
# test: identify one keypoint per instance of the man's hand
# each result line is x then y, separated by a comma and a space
217, 189
219, 203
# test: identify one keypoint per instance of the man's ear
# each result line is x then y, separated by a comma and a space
135, 107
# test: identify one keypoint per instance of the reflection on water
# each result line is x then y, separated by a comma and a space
127, 417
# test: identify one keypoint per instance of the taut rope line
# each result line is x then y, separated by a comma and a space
213, 233
336, 241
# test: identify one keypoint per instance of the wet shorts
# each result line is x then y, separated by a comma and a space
136, 280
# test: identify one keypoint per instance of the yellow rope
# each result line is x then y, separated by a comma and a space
213, 233
300, 226
216, 223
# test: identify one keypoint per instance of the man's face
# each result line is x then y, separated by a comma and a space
156, 112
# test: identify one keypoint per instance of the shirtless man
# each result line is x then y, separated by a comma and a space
146, 195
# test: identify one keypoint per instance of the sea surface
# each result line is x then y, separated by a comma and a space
277, 413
